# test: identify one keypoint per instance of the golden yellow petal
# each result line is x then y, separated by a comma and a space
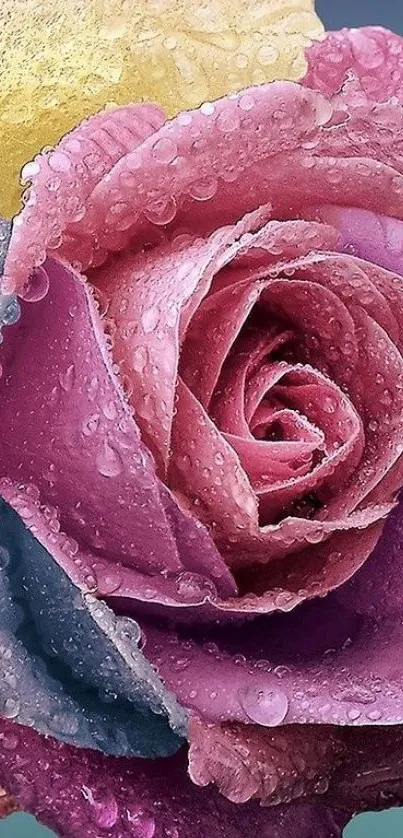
61, 61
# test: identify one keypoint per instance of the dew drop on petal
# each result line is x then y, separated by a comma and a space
108, 581
150, 318
10, 311
66, 378
141, 825
37, 287
267, 706
108, 461
104, 813
10, 708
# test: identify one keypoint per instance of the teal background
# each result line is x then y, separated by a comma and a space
335, 14
380, 825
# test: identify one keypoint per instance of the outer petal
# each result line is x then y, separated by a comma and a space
80, 794
372, 55
274, 766
57, 365
326, 663
196, 166
68, 666
176, 52
365, 772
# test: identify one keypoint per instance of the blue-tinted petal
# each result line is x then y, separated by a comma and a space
69, 666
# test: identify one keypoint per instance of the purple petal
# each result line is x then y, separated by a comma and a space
81, 794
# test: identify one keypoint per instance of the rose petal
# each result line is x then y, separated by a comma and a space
84, 436
120, 796
207, 470
69, 667
221, 316
372, 54
244, 762
146, 333
274, 766
322, 664
272, 119
64, 178
171, 52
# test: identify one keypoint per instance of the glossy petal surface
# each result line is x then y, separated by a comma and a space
176, 53
109, 698
81, 794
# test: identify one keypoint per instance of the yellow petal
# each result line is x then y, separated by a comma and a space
62, 61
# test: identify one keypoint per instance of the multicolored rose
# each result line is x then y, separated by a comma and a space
201, 459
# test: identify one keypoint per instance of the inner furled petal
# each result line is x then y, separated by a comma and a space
219, 319
270, 461
148, 295
227, 406
308, 392
259, 385
326, 332
277, 242
357, 283
376, 390
151, 298
206, 470
54, 215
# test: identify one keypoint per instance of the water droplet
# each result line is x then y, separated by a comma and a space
93, 388
59, 162
170, 42
104, 813
9, 742
10, 310
264, 705
67, 378
203, 189
141, 825
374, 715
207, 108
109, 411
150, 318
219, 458
37, 287
164, 150
180, 664
30, 170
11, 708
322, 785
161, 211
90, 426
109, 581
108, 461
267, 54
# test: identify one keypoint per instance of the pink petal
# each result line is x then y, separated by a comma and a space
83, 451
221, 316
152, 297
63, 179
371, 53
201, 185
253, 762
206, 470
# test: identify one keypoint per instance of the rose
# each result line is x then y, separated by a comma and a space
202, 247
